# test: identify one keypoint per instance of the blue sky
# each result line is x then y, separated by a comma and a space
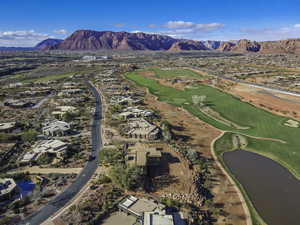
26, 22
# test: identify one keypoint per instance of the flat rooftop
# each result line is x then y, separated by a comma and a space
138, 206
5, 126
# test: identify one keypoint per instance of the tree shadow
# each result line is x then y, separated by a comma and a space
183, 138
160, 182
158, 176
177, 128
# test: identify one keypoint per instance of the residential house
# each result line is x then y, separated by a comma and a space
69, 92
7, 127
157, 217
142, 129
7, 188
132, 112
60, 111
53, 146
143, 155
16, 103
56, 128
149, 212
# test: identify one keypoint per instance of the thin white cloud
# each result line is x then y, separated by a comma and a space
151, 25
292, 31
119, 25
22, 38
189, 30
60, 31
195, 27
178, 24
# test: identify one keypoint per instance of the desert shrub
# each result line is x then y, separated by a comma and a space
29, 136
130, 178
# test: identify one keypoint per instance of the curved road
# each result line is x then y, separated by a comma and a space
260, 86
87, 172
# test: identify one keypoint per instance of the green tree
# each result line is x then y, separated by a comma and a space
130, 178
29, 136
69, 116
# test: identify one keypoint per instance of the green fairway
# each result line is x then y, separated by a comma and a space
171, 73
262, 123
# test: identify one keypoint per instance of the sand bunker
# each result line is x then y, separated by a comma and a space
292, 123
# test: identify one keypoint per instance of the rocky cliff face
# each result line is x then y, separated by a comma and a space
89, 40
96, 40
291, 46
212, 44
226, 46
187, 45
244, 46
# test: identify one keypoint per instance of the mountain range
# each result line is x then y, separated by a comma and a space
89, 40
48, 42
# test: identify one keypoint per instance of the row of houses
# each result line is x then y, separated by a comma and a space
34, 93
19, 103
69, 92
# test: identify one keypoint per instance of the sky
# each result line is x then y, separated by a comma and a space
24, 23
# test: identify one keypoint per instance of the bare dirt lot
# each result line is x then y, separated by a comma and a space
279, 104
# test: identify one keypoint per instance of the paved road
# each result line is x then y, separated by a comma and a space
277, 90
40, 103
61, 200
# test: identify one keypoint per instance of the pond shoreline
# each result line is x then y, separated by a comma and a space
271, 188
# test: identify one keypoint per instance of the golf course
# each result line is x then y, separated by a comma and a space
267, 134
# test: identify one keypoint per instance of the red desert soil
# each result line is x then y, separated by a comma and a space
280, 106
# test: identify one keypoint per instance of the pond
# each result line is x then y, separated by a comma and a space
273, 190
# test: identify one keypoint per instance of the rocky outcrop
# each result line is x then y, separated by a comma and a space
185, 45
47, 44
291, 46
244, 46
212, 44
226, 46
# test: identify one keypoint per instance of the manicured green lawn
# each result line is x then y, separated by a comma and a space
261, 123
175, 73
